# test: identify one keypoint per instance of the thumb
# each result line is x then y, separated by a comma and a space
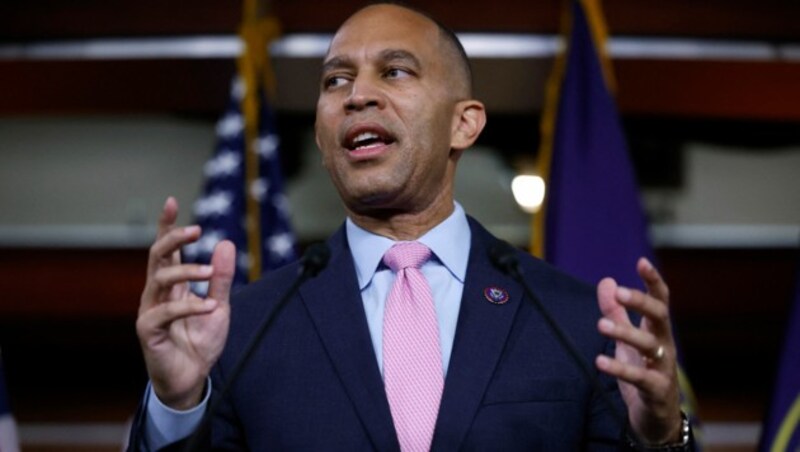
606, 289
224, 263
607, 299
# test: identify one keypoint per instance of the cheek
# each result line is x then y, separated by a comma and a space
326, 121
330, 164
326, 142
324, 160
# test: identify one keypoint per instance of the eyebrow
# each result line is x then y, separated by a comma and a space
336, 63
385, 56
401, 55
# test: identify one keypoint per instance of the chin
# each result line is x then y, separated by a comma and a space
373, 202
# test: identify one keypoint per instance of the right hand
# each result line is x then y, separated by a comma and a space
181, 334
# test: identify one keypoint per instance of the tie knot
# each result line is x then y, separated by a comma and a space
406, 254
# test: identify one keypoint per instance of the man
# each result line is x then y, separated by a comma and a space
394, 114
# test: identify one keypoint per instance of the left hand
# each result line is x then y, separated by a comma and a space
645, 362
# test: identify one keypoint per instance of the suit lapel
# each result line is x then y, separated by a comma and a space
334, 304
481, 335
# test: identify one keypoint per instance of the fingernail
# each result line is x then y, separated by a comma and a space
205, 269
623, 294
647, 264
190, 230
210, 302
602, 361
606, 325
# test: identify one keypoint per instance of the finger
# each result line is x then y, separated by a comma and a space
224, 262
165, 251
160, 316
642, 340
655, 391
656, 286
655, 312
648, 380
166, 223
165, 278
169, 214
609, 306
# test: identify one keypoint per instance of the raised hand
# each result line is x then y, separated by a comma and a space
181, 334
645, 363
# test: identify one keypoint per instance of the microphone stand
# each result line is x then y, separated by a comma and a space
504, 257
314, 260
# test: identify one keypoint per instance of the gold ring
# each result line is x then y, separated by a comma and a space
657, 356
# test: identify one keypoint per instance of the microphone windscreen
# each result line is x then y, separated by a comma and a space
316, 258
504, 256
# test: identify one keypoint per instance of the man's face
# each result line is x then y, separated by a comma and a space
386, 112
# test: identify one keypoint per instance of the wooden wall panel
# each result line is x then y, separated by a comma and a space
710, 89
24, 20
114, 86
77, 283
688, 88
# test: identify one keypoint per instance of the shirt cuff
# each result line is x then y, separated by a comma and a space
165, 425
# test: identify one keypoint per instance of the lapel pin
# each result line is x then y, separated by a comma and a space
495, 295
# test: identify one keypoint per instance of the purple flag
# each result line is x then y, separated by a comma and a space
782, 427
594, 222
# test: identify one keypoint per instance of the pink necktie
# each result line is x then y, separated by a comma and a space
412, 356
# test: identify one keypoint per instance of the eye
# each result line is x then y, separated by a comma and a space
396, 72
333, 81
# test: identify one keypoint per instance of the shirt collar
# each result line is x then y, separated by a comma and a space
449, 241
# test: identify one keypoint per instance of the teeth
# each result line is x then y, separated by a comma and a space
365, 136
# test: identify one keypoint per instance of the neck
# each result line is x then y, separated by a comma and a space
400, 224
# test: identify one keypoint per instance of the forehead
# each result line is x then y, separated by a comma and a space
377, 28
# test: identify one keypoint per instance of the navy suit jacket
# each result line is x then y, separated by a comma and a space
314, 385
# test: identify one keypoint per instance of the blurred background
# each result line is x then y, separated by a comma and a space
107, 107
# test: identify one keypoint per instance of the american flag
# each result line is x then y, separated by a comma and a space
222, 211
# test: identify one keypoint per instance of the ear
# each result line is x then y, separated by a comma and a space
319, 145
316, 136
468, 120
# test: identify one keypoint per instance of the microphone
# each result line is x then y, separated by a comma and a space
504, 257
314, 260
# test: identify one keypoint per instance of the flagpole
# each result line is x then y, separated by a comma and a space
257, 30
547, 132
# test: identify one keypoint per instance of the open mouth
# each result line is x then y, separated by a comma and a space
368, 138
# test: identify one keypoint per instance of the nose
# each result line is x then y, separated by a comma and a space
363, 94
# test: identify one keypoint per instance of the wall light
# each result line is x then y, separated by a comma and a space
528, 192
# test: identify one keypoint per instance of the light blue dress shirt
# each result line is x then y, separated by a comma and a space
449, 242
445, 271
